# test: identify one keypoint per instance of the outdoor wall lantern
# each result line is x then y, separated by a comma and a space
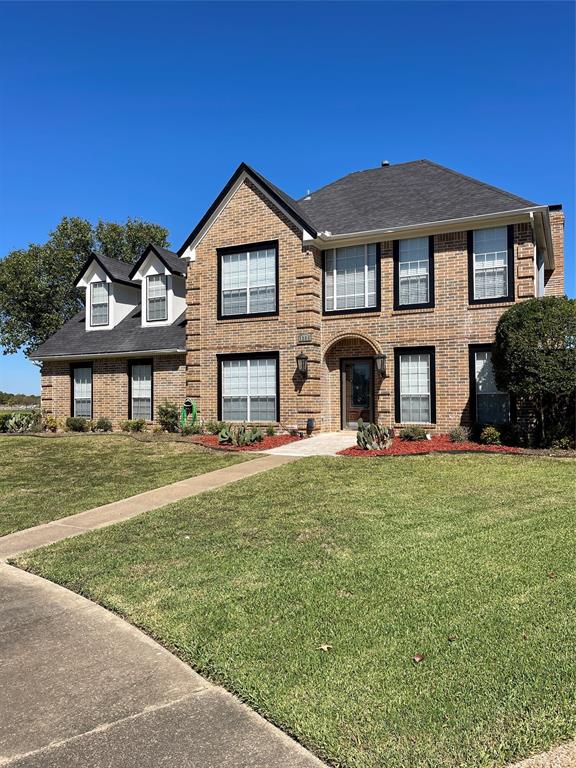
380, 361
302, 363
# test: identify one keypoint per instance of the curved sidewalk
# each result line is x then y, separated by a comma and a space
82, 687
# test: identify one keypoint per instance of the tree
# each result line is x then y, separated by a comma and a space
37, 292
535, 357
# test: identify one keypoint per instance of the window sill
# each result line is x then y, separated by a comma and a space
492, 304
339, 312
243, 318
412, 311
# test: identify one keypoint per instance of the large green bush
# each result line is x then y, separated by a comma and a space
535, 360
168, 417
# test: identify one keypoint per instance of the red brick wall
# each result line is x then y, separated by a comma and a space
110, 386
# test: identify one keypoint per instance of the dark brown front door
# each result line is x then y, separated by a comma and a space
356, 391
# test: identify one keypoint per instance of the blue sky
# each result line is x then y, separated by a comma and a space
112, 110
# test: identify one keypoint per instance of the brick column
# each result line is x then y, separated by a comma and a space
308, 339
193, 330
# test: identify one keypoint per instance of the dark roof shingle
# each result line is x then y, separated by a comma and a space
128, 336
402, 195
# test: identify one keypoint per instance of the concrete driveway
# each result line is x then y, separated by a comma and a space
81, 687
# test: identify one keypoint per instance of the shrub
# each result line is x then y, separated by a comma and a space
239, 435
490, 436
192, 427
459, 434
22, 422
133, 425
214, 427
4, 419
76, 424
563, 444
50, 424
372, 437
270, 430
168, 417
103, 425
413, 432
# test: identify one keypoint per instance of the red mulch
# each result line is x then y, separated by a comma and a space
438, 443
211, 441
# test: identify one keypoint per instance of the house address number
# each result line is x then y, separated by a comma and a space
304, 338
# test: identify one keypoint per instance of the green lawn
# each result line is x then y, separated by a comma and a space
43, 479
467, 559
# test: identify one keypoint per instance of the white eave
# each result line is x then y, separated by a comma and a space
528, 214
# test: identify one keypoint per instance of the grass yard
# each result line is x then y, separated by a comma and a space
468, 560
43, 479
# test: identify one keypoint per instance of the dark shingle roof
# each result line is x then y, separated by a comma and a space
118, 271
402, 195
172, 261
128, 336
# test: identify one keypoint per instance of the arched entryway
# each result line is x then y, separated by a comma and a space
351, 383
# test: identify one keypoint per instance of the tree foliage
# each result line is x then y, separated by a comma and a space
535, 355
37, 292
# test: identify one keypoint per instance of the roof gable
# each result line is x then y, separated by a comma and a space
173, 263
280, 198
117, 271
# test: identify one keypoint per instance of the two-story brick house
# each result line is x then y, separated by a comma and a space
376, 296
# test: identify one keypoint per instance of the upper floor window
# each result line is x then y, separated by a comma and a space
351, 278
156, 298
82, 391
414, 272
491, 267
99, 300
248, 280
490, 405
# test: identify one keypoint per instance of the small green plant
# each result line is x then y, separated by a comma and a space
490, 436
102, 425
192, 427
214, 427
459, 434
562, 444
168, 417
49, 423
239, 435
372, 437
270, 430
413, 432
4, 419
76, 424
133, 425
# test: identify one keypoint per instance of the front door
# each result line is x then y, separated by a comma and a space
356, 391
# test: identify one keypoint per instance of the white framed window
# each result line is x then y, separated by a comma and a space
414, 271
82, 391
156, 298
141, 391
248, 281
492, 404
490, 263
249, 389
414, 382
350, 278
99, 303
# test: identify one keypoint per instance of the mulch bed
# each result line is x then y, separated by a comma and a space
438, 443
211, 441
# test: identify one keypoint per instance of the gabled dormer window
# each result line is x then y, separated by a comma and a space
156, 298
99, 304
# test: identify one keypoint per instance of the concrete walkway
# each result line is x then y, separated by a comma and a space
81, 688
324, 444
98, 517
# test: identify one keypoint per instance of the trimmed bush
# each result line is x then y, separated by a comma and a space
413, 432
76, 424
133, 425
490, 436
214, 427
50, 424
192, 427
270, 430
103, 425
459, 434
168, 417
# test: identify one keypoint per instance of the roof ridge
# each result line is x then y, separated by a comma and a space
357, 173
477, 181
